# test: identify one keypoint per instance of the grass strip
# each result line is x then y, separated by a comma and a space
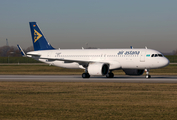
57, 100
53, 70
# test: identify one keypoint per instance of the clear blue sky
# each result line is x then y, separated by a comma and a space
100, 23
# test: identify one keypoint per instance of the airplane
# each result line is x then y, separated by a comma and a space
95, 61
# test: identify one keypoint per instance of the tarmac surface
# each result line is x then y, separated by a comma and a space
78, 78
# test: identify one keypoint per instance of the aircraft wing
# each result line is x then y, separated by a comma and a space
85, 63
28, 54
21, 50
33, 55
81, 62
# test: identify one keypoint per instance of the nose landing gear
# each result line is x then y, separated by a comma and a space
147, 73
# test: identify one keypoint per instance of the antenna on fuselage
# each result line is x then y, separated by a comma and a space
145, 47
131, 47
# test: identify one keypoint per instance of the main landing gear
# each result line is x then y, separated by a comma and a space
110, 75
86, 74
147, 73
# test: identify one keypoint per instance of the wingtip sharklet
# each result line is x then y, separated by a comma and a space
21, 50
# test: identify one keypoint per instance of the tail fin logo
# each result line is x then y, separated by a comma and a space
37, 35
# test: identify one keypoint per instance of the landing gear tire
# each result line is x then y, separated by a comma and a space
85, 75
110, 75
148, 76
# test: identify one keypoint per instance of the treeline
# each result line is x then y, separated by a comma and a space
11, 54
11, 59
12, 51
172, 58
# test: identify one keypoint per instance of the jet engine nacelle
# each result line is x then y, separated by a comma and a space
133, 71
98, 68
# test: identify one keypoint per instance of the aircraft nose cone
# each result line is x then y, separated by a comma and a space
165, 62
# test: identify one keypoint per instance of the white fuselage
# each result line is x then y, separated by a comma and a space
116, 58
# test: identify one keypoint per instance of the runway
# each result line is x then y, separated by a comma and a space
78, 78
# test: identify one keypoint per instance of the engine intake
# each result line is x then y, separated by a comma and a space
98, 68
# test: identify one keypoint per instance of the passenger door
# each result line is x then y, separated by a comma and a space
142, 56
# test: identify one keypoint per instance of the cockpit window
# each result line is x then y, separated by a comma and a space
160, 55
156, 55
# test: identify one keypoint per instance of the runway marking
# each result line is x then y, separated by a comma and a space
78, 78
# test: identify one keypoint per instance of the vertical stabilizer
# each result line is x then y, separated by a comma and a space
39, 41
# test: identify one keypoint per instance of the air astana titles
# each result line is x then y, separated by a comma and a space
128, 53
